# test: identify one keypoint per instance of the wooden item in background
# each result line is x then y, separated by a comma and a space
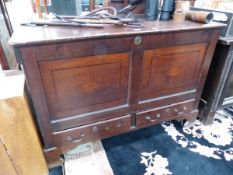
106, 3
46, 7
17, 132
3, 61
3, 10
7, 56
200, 16
38, 8
6, 165
91, 5
178, 17
182, 6
218, 91
226, 32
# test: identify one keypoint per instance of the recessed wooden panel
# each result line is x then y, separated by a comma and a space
76, 86
171, 70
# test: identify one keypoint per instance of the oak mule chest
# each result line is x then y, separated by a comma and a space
89, 84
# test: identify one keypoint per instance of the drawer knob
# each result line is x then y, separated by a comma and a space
69, 138
147, 117
119, 125
95, 129
82, 134
176, 110
106, 128
158, 116
185, 108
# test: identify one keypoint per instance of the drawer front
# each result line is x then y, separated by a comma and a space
93, 131
163, 113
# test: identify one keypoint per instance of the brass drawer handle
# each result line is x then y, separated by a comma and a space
150, 120
176, 110
179, 113
69, 138
118, 125
147, 117
77, 140
95, 129
158, 116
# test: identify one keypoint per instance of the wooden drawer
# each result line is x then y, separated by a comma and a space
163, 113
93, 131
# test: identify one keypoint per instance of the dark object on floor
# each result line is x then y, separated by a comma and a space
167, 10
218, 90
151, 9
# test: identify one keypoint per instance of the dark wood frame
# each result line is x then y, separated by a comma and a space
218, 80
6, 17
3, 10
3, 60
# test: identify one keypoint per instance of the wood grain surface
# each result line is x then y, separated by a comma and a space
3, 60
6, 165
17, 129
26, 35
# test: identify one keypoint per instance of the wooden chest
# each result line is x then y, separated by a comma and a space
89, 84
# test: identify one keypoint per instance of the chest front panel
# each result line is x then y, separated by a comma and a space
80, 85
171, 70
